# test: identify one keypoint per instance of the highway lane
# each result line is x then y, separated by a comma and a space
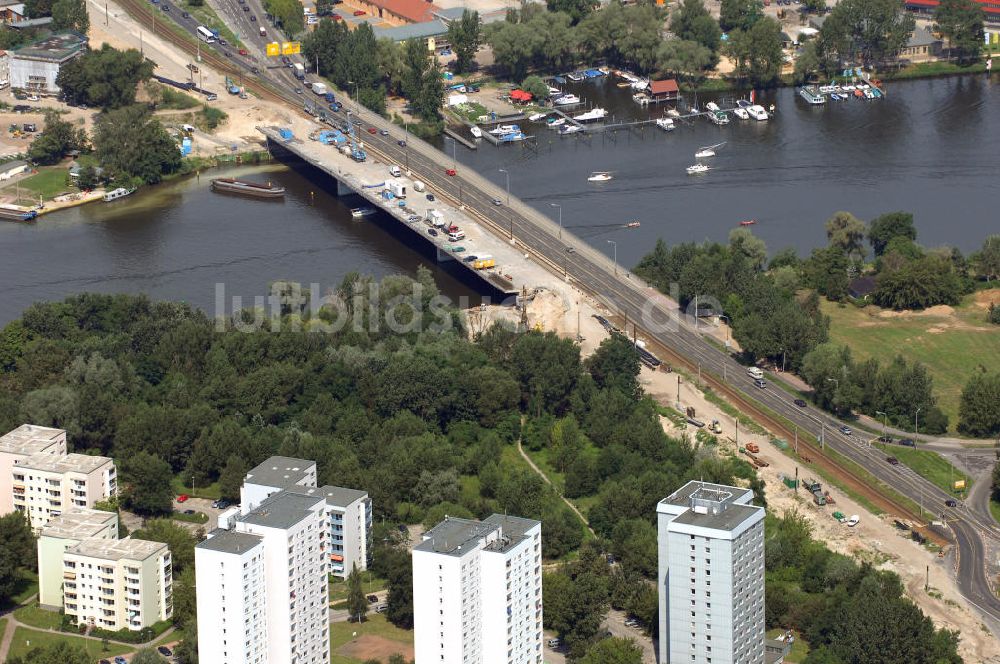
660, 320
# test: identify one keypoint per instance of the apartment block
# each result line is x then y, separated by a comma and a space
19, 444
477, 592
62, 533
711, 576
117, 584
272, 476
269, 568
45, 485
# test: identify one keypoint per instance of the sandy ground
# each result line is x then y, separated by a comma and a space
568, 313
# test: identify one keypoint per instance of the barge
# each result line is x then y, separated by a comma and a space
247, 188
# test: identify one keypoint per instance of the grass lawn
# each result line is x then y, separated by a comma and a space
197, 517
47, 182
370, 583
25, 639
951, 346
27, 586
183, 485
931, 465
38, 617
374, 625
799, 647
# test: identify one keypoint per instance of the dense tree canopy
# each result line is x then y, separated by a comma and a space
288, 15
757, 50
70, 15
465, 36
107, 78
58, 139
978, 410
349, 58
132, 145
961, 23
884, 228
868, 32
691, 21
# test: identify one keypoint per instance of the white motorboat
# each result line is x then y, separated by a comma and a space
707, 151
591, 115
712, 106
757, 112
558, 122
535, 117
554, 91
666, 124
115, 194
640, 84
673, 113
741, 113
570, 129
360, 212
743, 103
575, 76
718, 117
567, 99
600, 176
476, 131
695, 169
503, 130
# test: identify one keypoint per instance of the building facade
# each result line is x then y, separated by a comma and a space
280, 553
35, 67
117, 584
65, 532
477, 592
45, 485
711, 576
20, 444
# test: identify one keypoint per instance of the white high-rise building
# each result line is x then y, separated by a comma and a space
20, 444
267, 570
477, 592
711, 578
45, 485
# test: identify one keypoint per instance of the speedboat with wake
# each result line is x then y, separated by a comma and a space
696, 169
707, 151
600, 176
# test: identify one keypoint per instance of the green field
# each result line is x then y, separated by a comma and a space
38, 617
25, 639
183, 485
951, 344
376, 625
930, 465
370, 583
47, 182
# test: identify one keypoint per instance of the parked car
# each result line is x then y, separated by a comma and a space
182, 498
445, 51
470, 258
373, 599
846, 430
450, 172
892, 461
379, 608
189, 511
221, 504
165, 651
854, 520
337, 17
801, 403
885, 439
165, 7
430, 197
951, 502
185, 15
120, 660
359, 12
432, 232
553, 643
253, 18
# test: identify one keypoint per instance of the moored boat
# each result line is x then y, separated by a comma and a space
712, 106
360, 212
244, 187
812, 95
122, 192
535, 117
741, 113
666, 124
718, 117
556, 122
748, 222
566, 100
10, 212
476, 132
570, 129
757, 112
591, 115
600, 176
695, 169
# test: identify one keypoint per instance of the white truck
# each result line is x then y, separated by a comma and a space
395, 172
397, 188
319, 88
435, 218
263, 32
299, 71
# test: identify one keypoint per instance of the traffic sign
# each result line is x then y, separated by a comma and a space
291, 48
273, 49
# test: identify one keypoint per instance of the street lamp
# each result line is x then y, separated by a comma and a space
615, 245
507, 174
556, 205
916, 428
729, 323
885, 424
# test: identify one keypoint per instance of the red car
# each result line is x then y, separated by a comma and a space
359, 12
182, 498
372, 130
450, 171
243, 51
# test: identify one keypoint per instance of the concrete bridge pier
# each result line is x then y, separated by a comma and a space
443, 256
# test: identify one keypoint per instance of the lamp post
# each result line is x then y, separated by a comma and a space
507, 174
729, 322
916, 415
556, 205
615, 246
885, 425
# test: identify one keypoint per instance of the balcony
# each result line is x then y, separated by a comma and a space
69, 575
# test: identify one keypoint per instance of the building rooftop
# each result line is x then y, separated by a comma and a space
414, 11
30, 439
281, 472
57, 463
425, 30
31, 23
455, 536
334, 495
282, 510
229, 541
125, 549
921, 36
708, 505
78, 523
13, 165
57, 47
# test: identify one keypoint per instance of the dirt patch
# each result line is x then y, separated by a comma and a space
368, 646
941, 310
983, 299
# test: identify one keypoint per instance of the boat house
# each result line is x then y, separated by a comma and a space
921, 47
665, 90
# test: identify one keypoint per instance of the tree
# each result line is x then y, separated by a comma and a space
918, 284
978, 411
815, 6
884, 228
744, 242
871, 32
38, 8
691, 21
961, 23
107, 78
357, 603
758, 51
536, 86
514, 46
993, 316
400, 599
132, 144
465, 37
615, 365
847, 233
231, 478
613, 651
59, 652
828, 369
177, 537
684, 59
87, 178
146, 656
147, 485
826, 271
577, 10
987, 259
287, 14
70, 15
58, 139
739, 14
17, 549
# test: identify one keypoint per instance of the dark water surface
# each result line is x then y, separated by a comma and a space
930, 147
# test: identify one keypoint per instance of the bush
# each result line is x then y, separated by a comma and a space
175, 99
143, 635
212, 117
994, 314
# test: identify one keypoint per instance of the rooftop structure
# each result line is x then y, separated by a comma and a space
80, 524
282, 510
425, 30
125, 549
279, 471
30, 439
69, 463
58, 47
229, 541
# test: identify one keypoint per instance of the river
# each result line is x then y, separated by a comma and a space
930, 147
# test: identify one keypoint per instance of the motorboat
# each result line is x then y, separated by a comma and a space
743, 103
640, 98
719, 117
666, 124
575, 76
591, 115
476, 132
812, 95
673, 113
122, 192
535, 117
712, 106
566, 100
696, 169
757, 112
632, 224
503, 130
360, 212
556, 122
640, 84
741, 113
748, 222
510, 138
707, 151
554, 91
600, 176
570, 129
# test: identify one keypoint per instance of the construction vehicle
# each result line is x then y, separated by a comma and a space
715, 427
483, 263
752, 447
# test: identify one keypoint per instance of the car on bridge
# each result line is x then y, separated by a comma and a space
401, 143
846, 430
892, 461
951, 502
450, 172
801, 403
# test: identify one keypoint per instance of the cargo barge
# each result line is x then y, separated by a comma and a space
247, 188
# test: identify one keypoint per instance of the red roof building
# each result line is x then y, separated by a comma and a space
664, 90
990, 7
401, 12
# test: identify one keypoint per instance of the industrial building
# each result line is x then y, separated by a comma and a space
34, 67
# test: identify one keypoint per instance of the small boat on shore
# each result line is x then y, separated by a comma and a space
696, 169
246, 188
360, 212
748, 222
600, 176
122, 192
666, 124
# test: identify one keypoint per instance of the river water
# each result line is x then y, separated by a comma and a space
930, 147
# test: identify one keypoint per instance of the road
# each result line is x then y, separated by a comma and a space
658, 317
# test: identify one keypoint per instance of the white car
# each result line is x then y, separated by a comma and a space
854, 520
